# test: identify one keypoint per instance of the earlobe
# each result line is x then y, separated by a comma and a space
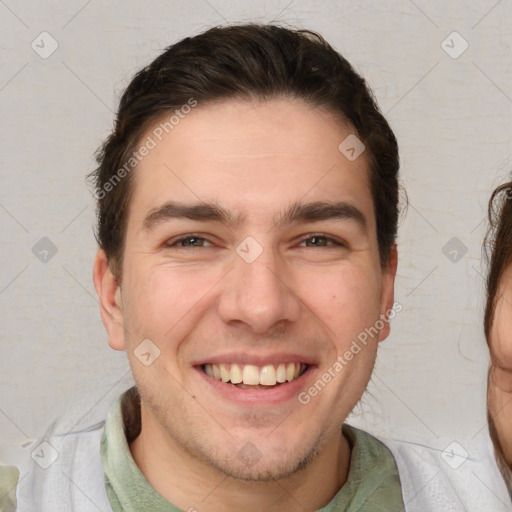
388, 292
109, 296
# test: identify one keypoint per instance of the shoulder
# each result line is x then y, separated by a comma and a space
450, 475
370, 451
364, 439
61, 472
62, 469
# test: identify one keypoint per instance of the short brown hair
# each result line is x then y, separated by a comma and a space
249, 61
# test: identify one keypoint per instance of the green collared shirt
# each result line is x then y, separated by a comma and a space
373, 482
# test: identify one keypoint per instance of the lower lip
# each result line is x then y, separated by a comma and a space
254, 397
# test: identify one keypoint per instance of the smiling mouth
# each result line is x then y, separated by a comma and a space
250, 376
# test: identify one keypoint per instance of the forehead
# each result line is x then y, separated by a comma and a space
250, 156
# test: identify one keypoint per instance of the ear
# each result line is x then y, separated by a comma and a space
387, 298
109, 295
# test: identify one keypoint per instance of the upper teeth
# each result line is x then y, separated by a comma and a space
267, 375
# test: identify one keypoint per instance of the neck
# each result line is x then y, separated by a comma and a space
189, 483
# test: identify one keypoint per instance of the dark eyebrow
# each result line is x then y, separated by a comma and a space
203, 212
295, 213
322, 210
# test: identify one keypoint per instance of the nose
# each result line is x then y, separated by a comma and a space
259, 295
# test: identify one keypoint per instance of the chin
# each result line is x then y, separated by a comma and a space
249, 464
264, 471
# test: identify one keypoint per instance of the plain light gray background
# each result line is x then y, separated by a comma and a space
452, 117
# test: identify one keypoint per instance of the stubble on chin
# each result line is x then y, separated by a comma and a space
230, 457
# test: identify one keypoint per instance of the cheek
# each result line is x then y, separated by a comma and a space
161, 302
347, 304
501, 335
347, 299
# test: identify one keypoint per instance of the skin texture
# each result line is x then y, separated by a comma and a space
198, 301
500, 377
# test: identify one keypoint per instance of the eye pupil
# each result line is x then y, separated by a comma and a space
193, 241
317, 241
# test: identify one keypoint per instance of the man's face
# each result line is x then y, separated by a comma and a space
260, 292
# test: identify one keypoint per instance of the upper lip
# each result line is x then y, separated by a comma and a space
256, 359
